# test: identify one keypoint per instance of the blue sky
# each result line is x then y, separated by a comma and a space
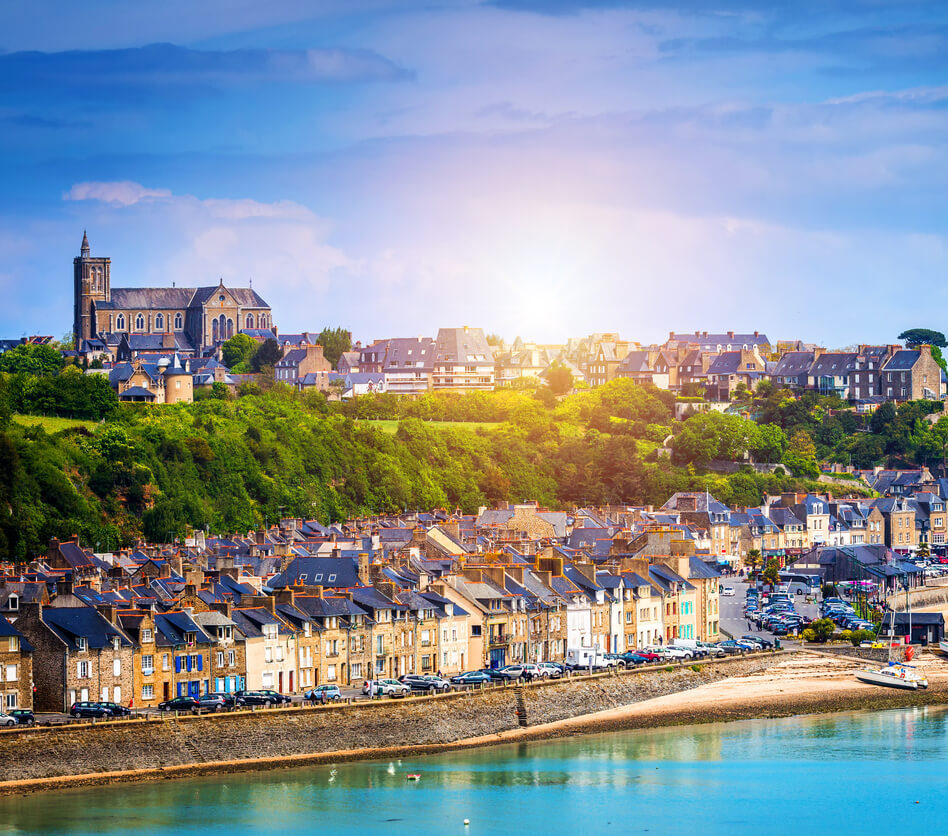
543, 168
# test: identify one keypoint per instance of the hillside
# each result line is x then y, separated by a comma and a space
236, 464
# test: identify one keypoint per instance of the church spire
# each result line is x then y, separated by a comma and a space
84, 251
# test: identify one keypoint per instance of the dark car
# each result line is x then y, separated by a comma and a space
23, 716
731, 647
227, 700
263, 697
179, 704
116, 710
425, 682
470, 678
501, 674
88, 709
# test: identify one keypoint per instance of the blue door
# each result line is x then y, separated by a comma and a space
498, 657
194, 688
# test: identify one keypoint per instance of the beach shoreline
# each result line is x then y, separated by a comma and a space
798, 684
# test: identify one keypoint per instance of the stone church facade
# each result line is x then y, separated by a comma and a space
200, 318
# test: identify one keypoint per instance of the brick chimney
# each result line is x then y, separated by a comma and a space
107, 611
364, 575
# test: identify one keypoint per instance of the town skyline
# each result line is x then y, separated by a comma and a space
537, 169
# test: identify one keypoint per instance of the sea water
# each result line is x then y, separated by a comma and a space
863, 773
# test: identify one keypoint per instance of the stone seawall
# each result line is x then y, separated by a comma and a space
872, 654
135, 749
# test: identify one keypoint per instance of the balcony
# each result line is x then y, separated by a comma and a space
499, 640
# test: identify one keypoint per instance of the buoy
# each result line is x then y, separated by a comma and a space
468, 821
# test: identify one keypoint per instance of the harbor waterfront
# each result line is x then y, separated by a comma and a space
818, 773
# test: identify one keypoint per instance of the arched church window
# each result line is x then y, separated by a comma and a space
120, 323
214, 333
230, 328
178, 322
250, 320
159, 322
139, 323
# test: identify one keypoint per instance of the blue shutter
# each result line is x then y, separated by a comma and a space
189, 662
177, 666
201, 662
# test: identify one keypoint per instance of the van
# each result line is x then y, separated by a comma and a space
586, 657
692, 646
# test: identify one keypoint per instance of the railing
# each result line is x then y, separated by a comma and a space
499, 640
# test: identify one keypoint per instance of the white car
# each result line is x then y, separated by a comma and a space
385, 687
679, 652
728, 590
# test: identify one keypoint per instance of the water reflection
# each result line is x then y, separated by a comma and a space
653, 779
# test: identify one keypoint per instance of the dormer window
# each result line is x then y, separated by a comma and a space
13, 602
81, 645
116, 643
332, 578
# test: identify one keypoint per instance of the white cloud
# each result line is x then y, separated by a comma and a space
122, 192
156, 237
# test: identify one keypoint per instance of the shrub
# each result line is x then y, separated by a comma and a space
859, 636
696, 668
822, 629
808, 635
847, 636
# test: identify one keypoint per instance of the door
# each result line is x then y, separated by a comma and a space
291, 682
117, 694
280, 682
165, 691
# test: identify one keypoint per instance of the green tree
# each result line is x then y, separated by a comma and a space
923, 336
882, 419
238, 349
334, 341
267, 356
771, 573
768, 443
560, 379
31, 359
754, 559
822, 629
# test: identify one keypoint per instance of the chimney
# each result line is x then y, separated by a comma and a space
223, 607
107, 611
587, 570
364, 574
64, 585
285, 596
167, 340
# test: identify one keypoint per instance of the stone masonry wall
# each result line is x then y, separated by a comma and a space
139, 744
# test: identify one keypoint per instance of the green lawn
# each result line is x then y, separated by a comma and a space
391, 427
52, 424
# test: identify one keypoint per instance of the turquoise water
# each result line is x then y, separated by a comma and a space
828, 775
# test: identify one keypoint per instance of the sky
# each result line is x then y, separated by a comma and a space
538, 168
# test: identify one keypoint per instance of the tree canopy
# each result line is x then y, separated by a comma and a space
923, 336
334, 341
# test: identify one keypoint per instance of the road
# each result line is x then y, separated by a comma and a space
732, 611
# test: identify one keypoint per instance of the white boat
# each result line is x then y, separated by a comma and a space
886, 677
943, 645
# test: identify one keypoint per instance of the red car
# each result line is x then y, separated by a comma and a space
647, 654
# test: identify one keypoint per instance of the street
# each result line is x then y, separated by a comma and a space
732, 611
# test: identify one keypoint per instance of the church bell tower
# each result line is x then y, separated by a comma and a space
91, 282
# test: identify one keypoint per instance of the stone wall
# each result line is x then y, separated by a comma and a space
45, 752
874, 654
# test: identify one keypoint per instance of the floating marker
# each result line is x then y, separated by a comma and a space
468, 821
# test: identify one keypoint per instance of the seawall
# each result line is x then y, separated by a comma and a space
57, 756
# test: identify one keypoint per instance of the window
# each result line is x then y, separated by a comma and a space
11, 700
148, 692
159, 322
332, 578
146, 635
250, 320
148, 664
116, 667
330, 673
164, 662
279, 654
231, 658
357, 670
220, 658
83, 670
13, 602
116, 643
139, 323
14, 644
178, 322
120, 322
81, 645
10, 673
268, 654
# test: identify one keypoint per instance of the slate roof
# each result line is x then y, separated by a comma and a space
793, 364
316, 571
70, 623
464, 345
7, 629
902, 361
836, 364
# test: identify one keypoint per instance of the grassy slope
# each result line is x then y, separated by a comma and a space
52, 424
391, 427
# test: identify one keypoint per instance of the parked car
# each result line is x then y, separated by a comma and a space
382, 687
426, 683
731, 647
727, 591
470, 678
501, 674
550, 670
178, 704
23, 716
678, 653
228, 700
332, 692
264, 696
649, 655
88, 709
7, 720
211, 702
116, 710
532, 672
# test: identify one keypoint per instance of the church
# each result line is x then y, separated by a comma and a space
189, 320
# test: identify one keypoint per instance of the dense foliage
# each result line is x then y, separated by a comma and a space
233, 464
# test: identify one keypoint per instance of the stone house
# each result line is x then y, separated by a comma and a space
304, 363
911, 375
78, 654
16, 668
270, 645
732, 368
227, 654
899, 515
463, 361
330, 618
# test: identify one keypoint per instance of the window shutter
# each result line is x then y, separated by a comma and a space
177, 664
189, 662
201, 662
